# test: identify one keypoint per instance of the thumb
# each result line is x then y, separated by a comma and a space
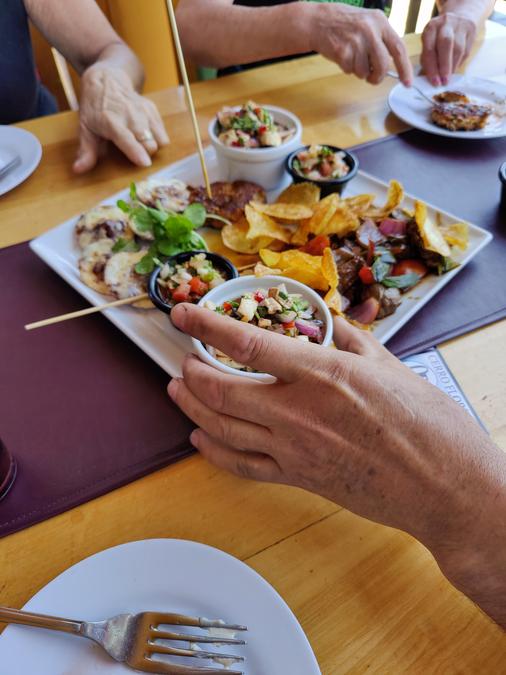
87, 155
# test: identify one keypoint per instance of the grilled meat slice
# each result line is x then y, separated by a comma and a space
389, 298
228, 200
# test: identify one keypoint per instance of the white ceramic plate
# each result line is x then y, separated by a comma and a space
15, 141
413, 109
153, 332
162, 575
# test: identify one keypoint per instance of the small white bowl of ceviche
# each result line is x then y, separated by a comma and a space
252, 142
271, 303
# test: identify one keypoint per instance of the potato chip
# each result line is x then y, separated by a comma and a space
261, 225
234, 237
284, 211
342, 222
329, 269
307, 194
297, 265
456, 234
430, 233
394, 198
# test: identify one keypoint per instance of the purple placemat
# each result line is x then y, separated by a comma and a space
461, 177
83, 410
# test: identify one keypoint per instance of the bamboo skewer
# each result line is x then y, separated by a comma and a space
189, 97
85, 312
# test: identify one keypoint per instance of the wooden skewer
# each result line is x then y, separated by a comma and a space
189, 97
85, 312
243, 268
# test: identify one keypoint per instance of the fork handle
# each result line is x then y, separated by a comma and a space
9, 615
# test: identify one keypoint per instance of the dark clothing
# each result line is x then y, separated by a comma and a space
22, 96
384, 5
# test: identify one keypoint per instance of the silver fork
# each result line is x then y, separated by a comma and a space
132, 639
11, 164
392, 73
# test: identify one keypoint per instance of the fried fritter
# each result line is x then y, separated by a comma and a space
229, 199
451, 97
460, 116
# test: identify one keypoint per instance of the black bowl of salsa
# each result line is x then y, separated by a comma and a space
331, 158
189, 284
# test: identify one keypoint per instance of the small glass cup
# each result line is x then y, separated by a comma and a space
8, 470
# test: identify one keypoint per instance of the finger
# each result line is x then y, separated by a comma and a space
379, 61
157, 126
397, 50
355, 340
89, 150
141, 129
361, 66
444, 52
230, 394
459, 49
429, 58
229, 430
263, 350
253, 465
125, 140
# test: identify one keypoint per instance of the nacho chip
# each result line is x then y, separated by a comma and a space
261, 225
430, 233
284, 211
329, 269
261, 270
307, 194
297, 265
234, 236
359, 204
394, 198
456, 234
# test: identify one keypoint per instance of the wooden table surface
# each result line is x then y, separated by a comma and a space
370, 598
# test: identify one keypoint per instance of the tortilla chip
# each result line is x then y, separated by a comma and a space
394, 198
358, 204
456, 234
235, 238
260, 225
285, 211
307, 194
261, 270
297, 265
329, 269
430, 233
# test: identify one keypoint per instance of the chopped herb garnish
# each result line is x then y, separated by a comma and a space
403, 281
129, 245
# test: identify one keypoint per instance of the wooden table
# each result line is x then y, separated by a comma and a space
369, 598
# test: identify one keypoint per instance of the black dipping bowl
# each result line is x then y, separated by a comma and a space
327, 187
8, 470
502, 178
219, 262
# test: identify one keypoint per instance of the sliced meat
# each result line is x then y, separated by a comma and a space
393, 227
348, 273
430, 258
389, 298
228, 200
366, 312
368, 232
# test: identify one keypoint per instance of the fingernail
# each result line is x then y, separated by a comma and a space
173, 387
436, 82
177, 316
444, 80
194, 437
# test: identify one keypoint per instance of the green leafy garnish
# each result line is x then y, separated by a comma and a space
196, 214
129, 245
133, 192
385, 255
380, 269
123, 205
145, 265
446, 265
403, 281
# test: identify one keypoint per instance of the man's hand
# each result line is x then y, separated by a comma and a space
111, 110
361, 41
447, 41
358, 427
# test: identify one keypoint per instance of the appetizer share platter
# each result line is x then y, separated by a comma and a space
166, 575
413, 109
153, 332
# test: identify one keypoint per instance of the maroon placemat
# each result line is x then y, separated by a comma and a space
461, 177
82, 409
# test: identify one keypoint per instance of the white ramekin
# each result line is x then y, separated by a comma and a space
247, 284
264, 166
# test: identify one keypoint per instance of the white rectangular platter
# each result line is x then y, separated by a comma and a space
152, 331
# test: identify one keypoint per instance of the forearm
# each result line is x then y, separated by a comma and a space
220, 34
119, 57
476, 10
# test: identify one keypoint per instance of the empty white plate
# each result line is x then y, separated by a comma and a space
18, 142
413, 109
168, 575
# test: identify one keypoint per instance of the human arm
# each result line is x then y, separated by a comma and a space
372, 436
448, 38
361, 41
111, 77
